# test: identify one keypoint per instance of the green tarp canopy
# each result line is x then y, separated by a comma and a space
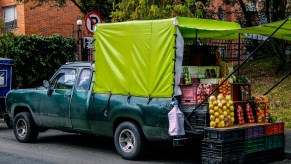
267, 29
138, 57
207, 28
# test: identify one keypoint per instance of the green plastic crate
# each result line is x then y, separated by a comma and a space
255, 144
275, 141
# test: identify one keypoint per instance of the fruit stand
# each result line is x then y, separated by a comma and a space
236, 127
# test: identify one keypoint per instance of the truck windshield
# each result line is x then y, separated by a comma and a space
65, 79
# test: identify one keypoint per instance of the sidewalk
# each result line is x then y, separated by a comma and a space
288, 143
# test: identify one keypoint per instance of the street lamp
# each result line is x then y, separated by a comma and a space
79, 24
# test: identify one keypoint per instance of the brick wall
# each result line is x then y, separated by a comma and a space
48, 20
45, 20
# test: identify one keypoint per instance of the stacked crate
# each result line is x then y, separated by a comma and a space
223, 146
275, 140
255, 144
248, 144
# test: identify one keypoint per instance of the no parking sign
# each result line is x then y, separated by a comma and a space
91, 19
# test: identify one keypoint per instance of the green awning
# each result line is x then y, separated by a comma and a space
207, 28
267, 29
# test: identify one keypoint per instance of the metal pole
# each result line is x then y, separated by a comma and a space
238, 53
78, 42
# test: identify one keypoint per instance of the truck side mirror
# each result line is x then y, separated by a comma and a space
47, 85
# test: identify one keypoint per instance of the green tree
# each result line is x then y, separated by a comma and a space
158, 9
121, 10
6, 44
252, 13
1, 26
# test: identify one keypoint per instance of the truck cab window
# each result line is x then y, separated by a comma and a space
65, 79
84, 79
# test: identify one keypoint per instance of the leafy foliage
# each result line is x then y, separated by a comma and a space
37, 58
123, 10
6, 43
158, 9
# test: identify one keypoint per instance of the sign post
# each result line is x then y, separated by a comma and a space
91, 19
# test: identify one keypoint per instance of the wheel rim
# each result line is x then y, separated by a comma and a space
21, 128
127, 140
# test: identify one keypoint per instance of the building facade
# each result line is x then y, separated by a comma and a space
46, 20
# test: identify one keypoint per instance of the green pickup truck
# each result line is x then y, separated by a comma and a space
66, 102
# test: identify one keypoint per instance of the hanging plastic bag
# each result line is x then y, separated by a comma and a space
176, 121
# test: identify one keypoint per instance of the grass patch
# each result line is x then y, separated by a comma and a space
262, 75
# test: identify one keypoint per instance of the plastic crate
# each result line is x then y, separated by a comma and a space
253, 131
275, 141
255, 145
200, 118
238, 93
224, 134
190, 107
255, 158
219, 149
189, 94
274, 155
275, 128
231, 159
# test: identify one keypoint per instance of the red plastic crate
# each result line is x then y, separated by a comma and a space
237, 94
189, 94
275, 128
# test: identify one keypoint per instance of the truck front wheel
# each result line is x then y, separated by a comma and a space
24, 127
129, 141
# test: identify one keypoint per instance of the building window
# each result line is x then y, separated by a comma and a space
10, 17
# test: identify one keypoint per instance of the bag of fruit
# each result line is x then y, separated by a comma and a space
262, 109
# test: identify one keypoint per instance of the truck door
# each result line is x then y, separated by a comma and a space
79, 106
54, 107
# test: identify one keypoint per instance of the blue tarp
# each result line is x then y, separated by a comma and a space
5, 76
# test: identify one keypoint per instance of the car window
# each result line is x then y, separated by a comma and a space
65, 79
84, 79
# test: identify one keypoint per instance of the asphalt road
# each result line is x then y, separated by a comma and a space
56, 147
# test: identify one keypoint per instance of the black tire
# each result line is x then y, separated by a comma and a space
24, 127
129, 141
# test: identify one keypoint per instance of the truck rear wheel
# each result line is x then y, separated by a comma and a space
129, 141
24, 127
